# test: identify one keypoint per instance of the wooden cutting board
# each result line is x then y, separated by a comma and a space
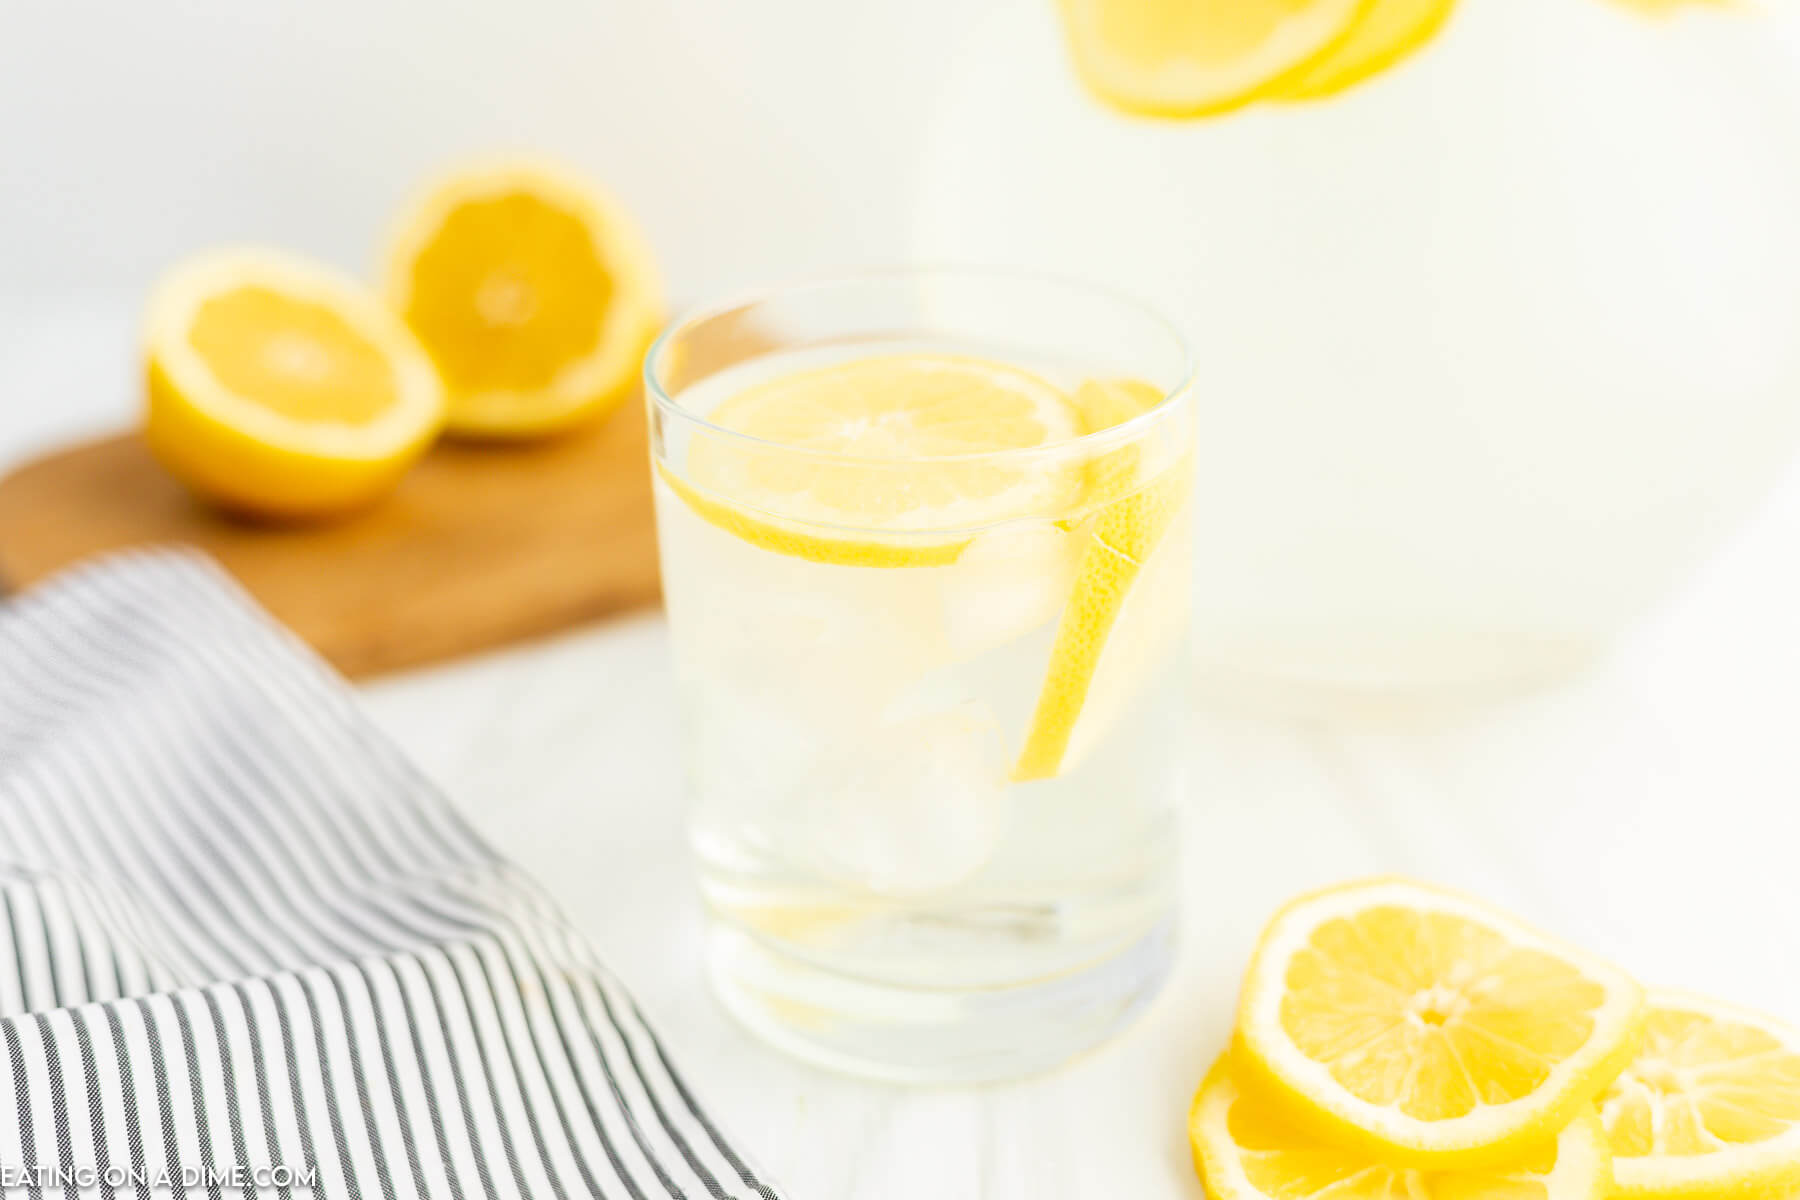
480, 546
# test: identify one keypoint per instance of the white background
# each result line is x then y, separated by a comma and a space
1651, 810
750, 137
754, 140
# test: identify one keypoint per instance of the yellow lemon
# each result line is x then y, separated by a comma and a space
1426, 1028
534, 292
1710, 1107
1107, 404
1178, 58
898, 447
1247, 1150
282, 389
1134, 507
1385, 35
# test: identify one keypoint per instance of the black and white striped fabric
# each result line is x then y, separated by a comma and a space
245, 947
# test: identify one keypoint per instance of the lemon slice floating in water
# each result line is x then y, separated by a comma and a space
895, 448
1184, 58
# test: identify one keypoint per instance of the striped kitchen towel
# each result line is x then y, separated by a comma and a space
245, 947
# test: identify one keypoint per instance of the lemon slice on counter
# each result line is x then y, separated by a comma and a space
1246, 1150
1426, 1028
852, 445
1183, 58
1709, 1108
1132, 514
534, 292
280, 388
1386, 34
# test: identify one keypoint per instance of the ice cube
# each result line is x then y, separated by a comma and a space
1007, 583
911, 806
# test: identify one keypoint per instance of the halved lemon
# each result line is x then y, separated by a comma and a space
1184, 58
1426, 1028
534, 292
281, 388
895, 447
1136, 506
1709, 1108
1386, 34
1247, 1150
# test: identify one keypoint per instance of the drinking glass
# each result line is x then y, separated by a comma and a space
933, 703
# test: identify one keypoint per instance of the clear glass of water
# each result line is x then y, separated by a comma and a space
926, 551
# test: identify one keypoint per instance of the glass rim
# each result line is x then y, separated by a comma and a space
1097, 440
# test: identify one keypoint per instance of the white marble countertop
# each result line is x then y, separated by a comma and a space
1650, 810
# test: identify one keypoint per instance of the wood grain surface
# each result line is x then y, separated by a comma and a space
480, 546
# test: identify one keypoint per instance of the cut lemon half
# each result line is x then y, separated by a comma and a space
1709, 1108
534, 292
1134, 509
280, 388
1184, 58
1385, 35
1246, 1150
895, 447
1426, 1028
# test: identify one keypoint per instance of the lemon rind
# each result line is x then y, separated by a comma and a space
1322, 78
726, 440
1078, 647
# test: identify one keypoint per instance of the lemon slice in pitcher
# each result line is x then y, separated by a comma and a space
1184, 58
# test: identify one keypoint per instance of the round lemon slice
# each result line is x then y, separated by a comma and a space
1709, 1108
896, 448
1426, 1028
1388, 33
1184, 58
1247, 1150
534, 292
280, 388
